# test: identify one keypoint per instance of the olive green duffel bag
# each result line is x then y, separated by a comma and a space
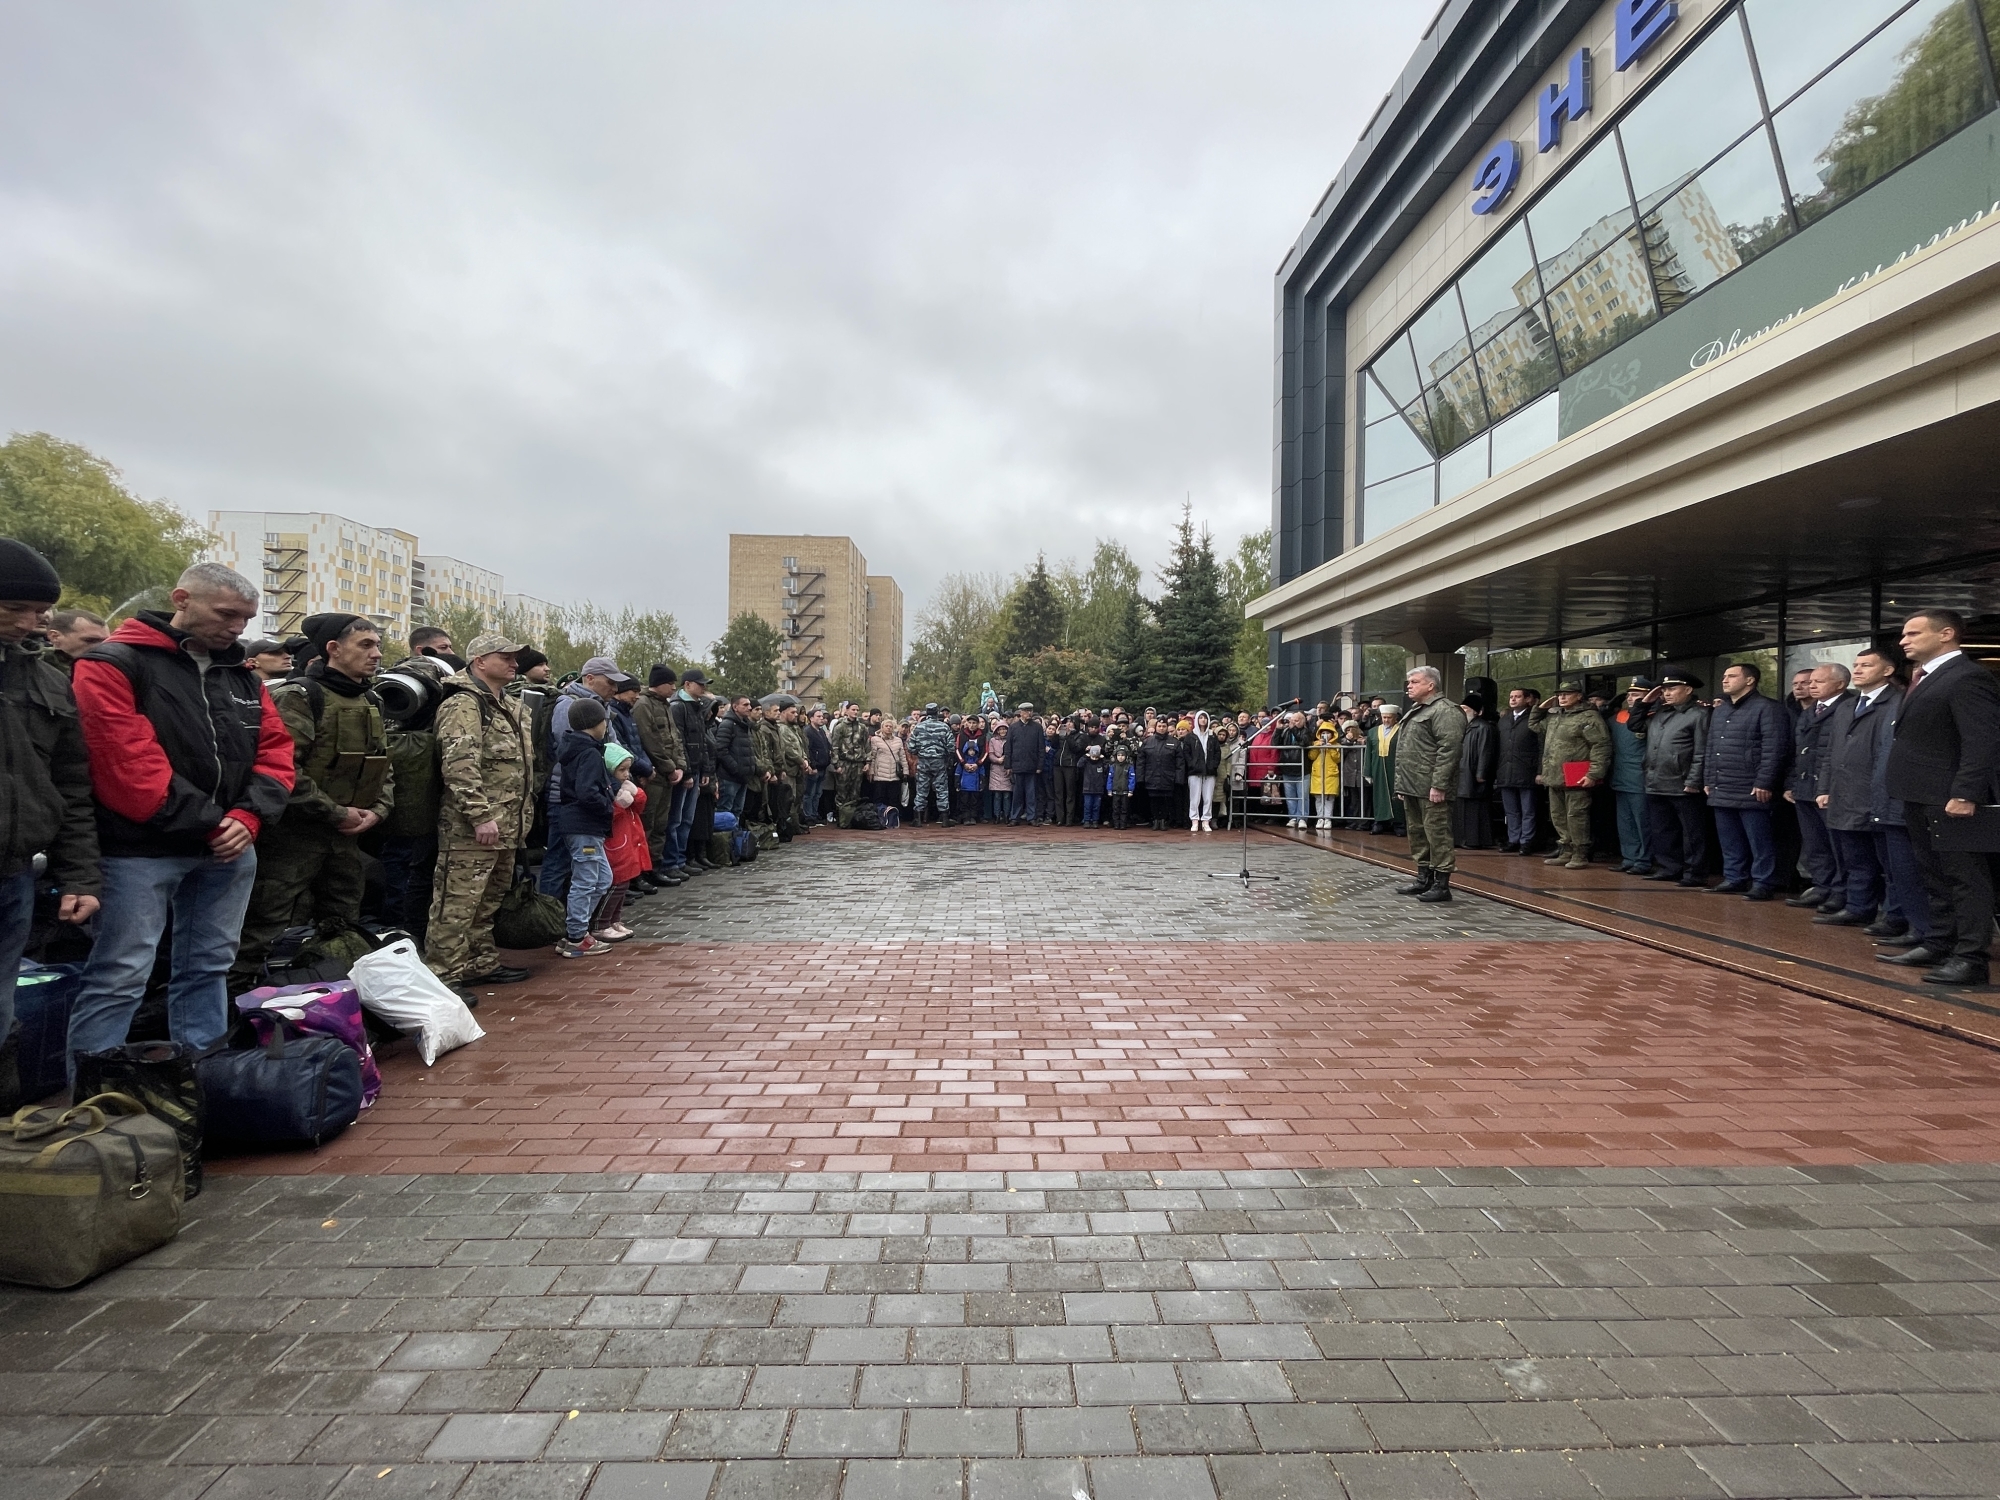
85, 1189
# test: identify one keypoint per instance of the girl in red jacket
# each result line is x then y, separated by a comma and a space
627, 848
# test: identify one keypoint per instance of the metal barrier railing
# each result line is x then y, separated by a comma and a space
1278, 780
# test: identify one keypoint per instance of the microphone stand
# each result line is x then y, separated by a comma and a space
1243, 874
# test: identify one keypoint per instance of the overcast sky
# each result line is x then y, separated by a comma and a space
574, 290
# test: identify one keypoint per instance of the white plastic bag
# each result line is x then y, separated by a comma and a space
394, 983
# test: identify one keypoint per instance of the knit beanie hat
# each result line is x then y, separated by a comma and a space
25, 574
662, 675
615, 755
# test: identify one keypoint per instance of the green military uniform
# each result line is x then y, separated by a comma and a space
660, 738
765, 751
792, 770
485, 762
1570, 735
1428, 743
307, 869
849, 739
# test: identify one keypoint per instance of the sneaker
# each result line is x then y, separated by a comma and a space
617, 932
586, 946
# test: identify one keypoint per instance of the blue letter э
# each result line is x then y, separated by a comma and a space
1496, 177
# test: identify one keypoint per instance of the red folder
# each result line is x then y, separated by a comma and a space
1575, 772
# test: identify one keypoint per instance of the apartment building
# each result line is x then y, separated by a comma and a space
309, 562
837, 618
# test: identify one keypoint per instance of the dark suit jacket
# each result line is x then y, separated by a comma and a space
1947, 737
1856, 745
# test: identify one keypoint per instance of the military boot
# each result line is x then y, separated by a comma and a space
1440, 888
1562, 856
1426, 877
1579, 858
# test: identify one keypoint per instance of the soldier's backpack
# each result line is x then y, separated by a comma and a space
863, 815
413, 765
742, 846
718, 850
527, 918
767, 838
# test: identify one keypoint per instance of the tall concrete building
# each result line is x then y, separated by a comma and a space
308, 562
448, 583
837, 619
1636, 333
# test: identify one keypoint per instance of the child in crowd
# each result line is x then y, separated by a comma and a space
582, 819
1095, 775
1325, 774
627, 848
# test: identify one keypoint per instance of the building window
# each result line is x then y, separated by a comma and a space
1684, 189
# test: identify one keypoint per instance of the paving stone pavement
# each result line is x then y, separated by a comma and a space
1032, 1336
965, 885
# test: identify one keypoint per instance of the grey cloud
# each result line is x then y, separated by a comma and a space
576, 290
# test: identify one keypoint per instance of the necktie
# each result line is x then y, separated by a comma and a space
1917, 677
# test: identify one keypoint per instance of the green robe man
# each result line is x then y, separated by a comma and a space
1378, 765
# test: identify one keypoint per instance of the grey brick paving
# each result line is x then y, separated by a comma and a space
863, 894
1203, 1336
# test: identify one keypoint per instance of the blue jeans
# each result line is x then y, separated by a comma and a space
203, 900
1295, 797
1001, 803
17, 918
1092, 802
809, 798
1025, 799
589, 879
1748, 850
1519, 801
729, 796
680, 818
554, 877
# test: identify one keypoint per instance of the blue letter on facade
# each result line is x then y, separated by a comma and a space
1567, 102
1640, 24
1496, 177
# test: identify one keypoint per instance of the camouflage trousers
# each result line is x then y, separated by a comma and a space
848, 782
305, 873
1430, 833
470, 882
933, 787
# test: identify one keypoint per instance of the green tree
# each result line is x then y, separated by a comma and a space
1244, 577
1055, 679
1197, 651
1102, 594
1031, 621
1132, 666
105, 543
951, 640
746, 658
844, 689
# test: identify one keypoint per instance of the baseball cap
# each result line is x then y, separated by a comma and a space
490, 643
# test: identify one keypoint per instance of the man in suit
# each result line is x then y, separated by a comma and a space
1941, 767
1850, 796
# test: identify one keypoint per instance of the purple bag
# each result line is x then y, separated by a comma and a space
331, 1008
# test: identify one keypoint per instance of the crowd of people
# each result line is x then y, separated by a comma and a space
186, 796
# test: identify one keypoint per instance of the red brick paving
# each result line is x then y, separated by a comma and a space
958, 1056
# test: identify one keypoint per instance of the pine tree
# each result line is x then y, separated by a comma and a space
1197, 633
1130, 677
1033, 620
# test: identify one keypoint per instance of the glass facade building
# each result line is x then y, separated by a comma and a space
1762, 174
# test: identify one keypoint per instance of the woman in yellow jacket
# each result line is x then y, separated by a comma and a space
1325, 786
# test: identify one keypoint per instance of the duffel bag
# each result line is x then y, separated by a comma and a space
297, 1090
527, 918
719, 853
85, 1189
318, 1010
161, 1076
742, 847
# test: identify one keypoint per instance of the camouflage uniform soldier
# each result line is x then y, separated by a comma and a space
850, 761
791, 766
934, 746
769, 753
485, 762
309, 864
660, 737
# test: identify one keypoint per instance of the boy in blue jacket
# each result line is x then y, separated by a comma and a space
581, 818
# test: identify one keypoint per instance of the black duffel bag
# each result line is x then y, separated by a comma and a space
300, 1090
162, 1076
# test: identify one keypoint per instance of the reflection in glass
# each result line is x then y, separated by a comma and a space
1397, 373
1391, 448
1503, 303
1391, 504
1797, 40
1460, 471
1438, 336
1691, 116
1728, 217
1904, 91
1457, 412
1607, 299
1581, 215
1525, 434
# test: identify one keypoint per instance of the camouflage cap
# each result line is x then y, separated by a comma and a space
489, 644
